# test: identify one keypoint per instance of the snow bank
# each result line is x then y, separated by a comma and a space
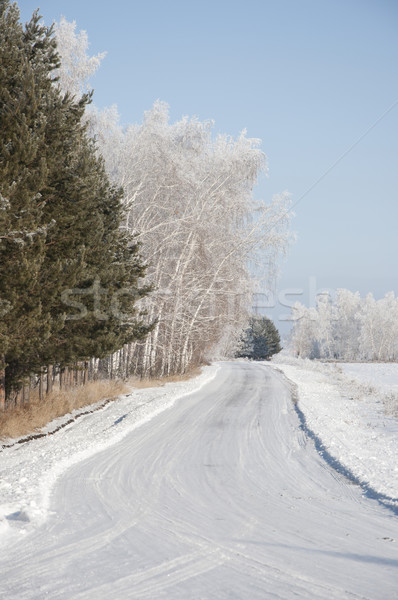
29, 470
352, 417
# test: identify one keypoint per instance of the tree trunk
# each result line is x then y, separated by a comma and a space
128, 360
41, 385
2, 384
50, 371
85, 373
79, 368
19, 398
26, 392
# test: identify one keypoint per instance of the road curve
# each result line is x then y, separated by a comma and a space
220, 497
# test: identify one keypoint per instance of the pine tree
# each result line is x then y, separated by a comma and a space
61, 239
260, 340
23, 171
106, 271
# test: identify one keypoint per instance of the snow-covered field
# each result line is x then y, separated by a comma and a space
352, 410
28, 471
381, 375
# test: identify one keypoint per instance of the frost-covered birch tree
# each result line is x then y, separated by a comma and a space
346, 325
378, 338
349, 328
77, 66
304, 332
190, 204
189, 197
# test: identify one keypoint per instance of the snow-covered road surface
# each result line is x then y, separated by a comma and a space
220, 497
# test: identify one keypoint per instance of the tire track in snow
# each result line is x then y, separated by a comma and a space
219, 498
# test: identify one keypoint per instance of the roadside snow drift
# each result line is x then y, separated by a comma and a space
351, 410
28, 471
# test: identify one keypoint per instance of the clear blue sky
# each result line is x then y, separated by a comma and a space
308, 77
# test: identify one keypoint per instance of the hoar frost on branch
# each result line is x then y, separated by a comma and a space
189, 200
76, 67
188, 197
348, 328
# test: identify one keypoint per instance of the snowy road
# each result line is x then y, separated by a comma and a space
221, 496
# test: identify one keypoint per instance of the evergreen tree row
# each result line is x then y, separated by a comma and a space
69, 274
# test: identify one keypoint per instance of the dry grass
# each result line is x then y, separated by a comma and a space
30, 418
24, 420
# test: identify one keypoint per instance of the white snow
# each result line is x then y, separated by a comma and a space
352, 409
28, 471
222, 496
383, 375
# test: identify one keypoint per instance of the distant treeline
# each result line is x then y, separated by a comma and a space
347, 328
